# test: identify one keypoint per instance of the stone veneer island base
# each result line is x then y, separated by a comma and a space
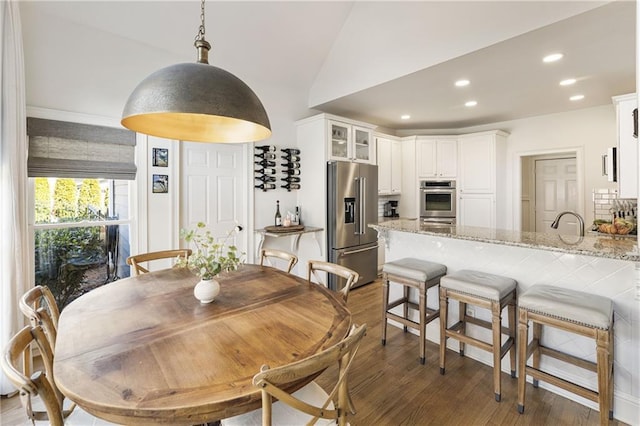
603, 265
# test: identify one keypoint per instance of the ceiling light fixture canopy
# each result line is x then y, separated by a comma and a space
196, 102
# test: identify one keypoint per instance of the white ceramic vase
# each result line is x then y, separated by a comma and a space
206, 290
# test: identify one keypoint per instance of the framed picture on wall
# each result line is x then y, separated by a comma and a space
160, 157
160, 184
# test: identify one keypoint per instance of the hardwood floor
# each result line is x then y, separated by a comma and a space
390, 387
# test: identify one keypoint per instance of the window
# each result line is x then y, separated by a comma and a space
81, 234
80, 179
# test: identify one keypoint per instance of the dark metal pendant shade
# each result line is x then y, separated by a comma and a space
196, 102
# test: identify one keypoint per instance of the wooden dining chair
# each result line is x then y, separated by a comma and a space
351, 276
310, 403
137, 259
269, 254
40, 397
40, 308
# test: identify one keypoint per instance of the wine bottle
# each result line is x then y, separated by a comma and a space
296, 218
266, 148
290, 158
266, 155
266, 186
291, 179
266, 171
292, 171
291, 151
291, 186
278, 219
265, 178
266, 163
291, 165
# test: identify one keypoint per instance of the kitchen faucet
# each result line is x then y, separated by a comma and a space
556, 222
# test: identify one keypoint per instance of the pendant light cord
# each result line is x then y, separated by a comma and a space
200, 35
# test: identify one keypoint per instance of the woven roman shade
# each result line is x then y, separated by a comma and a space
73, 150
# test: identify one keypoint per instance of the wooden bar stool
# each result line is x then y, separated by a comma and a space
488, 291
411, 273
572, 311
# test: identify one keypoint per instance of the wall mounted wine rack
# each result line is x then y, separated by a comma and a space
265, 167
291, 169
266, 158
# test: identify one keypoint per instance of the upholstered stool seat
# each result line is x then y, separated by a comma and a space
573, 311
411, 273
489, 291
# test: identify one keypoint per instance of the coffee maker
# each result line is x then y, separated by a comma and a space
394, 209
391, 209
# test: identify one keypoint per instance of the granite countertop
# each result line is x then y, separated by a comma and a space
387, 219
590, 245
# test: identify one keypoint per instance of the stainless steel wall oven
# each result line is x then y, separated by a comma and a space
438, 200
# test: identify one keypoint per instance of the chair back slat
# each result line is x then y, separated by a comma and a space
40, 307
349, 275
267, 254
136, 260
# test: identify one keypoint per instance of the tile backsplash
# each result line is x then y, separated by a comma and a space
606, 201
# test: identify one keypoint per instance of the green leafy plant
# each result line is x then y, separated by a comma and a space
210, 256
62, 256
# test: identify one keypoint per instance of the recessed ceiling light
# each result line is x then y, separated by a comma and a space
553, 57
462, 83
471, 104
576, 98
568, 82
405, 117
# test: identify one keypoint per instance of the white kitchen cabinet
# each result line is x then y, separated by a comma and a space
477, 210
350, 142
436, 157
396, 167
409, 205
482, 178
389, 157
627, 155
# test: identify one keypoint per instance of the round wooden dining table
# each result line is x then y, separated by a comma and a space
143, 350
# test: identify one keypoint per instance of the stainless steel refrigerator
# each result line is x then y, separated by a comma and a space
352, 191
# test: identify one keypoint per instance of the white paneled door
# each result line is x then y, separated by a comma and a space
556, 191
214, 189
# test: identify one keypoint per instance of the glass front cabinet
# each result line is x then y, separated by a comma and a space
350, 143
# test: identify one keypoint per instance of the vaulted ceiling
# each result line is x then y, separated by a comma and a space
372, 61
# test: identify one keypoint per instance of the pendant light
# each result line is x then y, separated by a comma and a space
196, 102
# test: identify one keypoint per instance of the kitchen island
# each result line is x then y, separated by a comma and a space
604, 265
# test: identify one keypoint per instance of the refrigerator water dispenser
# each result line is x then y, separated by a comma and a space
349, 210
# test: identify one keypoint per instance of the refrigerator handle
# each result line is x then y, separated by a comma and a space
346, 253
363, 203
358, 206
